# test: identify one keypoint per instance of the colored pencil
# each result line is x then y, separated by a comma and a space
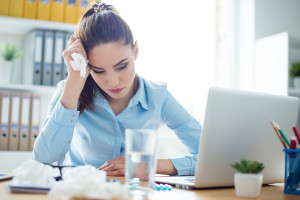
282, 134
278, 134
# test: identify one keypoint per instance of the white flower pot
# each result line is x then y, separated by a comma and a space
297, 82
5, 72
247, 185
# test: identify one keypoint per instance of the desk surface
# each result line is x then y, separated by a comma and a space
268, 192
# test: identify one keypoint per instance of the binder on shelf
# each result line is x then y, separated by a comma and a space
30, 9
57, 10
14, 133
4, 8
5, 120
43, 10
33, 57
47, 66
82, 8
57, 58
71, 11
66, 45
16, 8
25, 122
35, 119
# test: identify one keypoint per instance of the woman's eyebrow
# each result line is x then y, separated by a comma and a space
113, 66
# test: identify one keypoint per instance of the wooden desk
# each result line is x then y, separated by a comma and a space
274, 192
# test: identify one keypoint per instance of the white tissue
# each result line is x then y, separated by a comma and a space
79, 63
85, 182
33, 173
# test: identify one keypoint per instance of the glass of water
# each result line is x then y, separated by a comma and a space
140, 145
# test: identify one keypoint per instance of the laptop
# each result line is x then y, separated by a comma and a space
237, 126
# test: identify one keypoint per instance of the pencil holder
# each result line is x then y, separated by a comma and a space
292, 171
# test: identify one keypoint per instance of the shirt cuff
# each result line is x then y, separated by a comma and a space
64, 116
184, 166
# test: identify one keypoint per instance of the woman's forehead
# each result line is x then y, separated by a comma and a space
110, 53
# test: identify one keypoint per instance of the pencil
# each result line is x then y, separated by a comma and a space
278, 134
296, 134
281, 133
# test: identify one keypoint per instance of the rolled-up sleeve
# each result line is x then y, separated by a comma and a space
55, 137
187, 129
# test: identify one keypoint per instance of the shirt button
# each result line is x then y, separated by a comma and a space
68, 142
72, 121
74, 115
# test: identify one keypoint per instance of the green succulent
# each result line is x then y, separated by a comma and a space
248, 167
295, 70
9, 52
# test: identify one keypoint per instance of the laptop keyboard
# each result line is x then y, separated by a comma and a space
192, 180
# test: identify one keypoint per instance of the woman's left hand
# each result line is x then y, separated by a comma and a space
114, 167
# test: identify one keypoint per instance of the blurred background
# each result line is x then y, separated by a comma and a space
191, 45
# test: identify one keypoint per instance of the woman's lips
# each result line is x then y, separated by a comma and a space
116, 90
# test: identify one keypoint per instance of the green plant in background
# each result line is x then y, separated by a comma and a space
248, 167
295, 70
10, 52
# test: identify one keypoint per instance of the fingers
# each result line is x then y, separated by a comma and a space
72, 40
114, 167
119, 172
120, 159
75, 46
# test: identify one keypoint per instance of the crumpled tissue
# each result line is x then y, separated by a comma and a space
86, 182
78, 64
35, 174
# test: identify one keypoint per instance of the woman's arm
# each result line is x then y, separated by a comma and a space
56, 135
187, 129
165, 166
74, 83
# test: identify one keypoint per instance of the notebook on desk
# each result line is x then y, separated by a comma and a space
237, 126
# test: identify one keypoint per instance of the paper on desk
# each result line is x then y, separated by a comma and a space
85, 182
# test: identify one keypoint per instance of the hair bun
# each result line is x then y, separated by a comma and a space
98, 7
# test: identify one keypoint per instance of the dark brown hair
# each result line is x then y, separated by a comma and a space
101, 24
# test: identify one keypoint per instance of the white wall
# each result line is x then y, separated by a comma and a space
276, 16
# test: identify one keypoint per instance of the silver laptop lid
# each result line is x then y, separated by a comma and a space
237, 126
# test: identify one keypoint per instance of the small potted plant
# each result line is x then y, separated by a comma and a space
295, 74
9, 53
248, 179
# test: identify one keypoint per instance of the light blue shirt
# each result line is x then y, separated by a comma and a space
94, 137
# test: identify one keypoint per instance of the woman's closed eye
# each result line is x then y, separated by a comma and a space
98, 72
101, 71
122, 67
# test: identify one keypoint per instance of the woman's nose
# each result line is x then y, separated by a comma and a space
113, 80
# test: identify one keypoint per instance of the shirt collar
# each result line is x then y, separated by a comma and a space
139, 97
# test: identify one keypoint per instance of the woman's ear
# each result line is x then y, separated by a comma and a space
136, 50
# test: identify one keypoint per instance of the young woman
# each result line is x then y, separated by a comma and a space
87, 117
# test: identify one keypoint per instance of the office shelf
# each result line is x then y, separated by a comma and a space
21, 26
41, 89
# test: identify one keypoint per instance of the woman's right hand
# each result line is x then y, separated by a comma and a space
75, 46
74, 82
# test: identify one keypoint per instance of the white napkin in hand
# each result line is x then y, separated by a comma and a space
79, 64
